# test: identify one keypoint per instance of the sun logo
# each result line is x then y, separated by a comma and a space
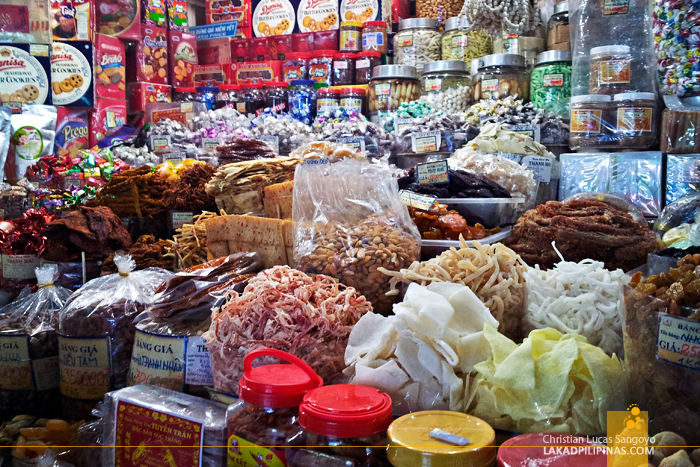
634, 421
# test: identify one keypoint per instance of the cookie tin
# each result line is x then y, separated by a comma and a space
273, 17
318, 15
25, 72
72, 74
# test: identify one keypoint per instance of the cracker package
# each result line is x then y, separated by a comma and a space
109, 115
71, 20
71, 74
33, 133
149, 63
118, 18
71, 131
25, 74
110, 74
182, 47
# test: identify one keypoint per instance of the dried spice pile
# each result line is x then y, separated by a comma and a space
188, 193
135, 193
147, 252
243, 149
96, 231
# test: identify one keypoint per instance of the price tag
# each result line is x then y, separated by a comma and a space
428, 141
186, 107
273, 141
417, 200
357, 143
110, 120
512, 156
678, 341
362, 63
175, 158
533, 131
402, 123
383, 89
541, 166
15, 365
433, 84
198, 362
321, 161
180, 218
19, 266
85, 366
210, 144
160, 142
432, 173
158, 360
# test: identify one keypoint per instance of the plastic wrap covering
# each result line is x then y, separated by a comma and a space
678, 225
96, 329
349, 220
615, 201
149, 421
682, 175
634, 176
90, 439
680, 130
29, 375
677, 43
73, 275
25, 21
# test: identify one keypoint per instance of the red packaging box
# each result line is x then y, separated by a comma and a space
213, 51
71, 20
108, 116
255, 72
221, 11
325, 40
280, 46
303, 42
182, 48
71, 131
110, 75
148, 62
118, 18
239, 50
259, 49
142, 94
211, 75
244, 32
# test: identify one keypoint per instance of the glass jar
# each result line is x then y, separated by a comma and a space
527, 46
417, 42
327, 101
365, 63
344, 425
350, 36
446, 86
637, 120
267, 413
461, 42
185, 95
302, 100
558, 32
410, 443
276, 96
611, 67
344, 69
251, 99
391, 86
353, 100
501, 75
296, 66
591, 122
227, 96
374, 37
207, 95
321, 66
550, 82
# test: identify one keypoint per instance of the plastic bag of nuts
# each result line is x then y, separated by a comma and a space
349, 220
440, 10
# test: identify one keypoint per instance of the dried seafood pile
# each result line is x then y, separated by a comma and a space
147, 252
244, 149
134, 193
188, 193
462, 184
189, 245
581, 230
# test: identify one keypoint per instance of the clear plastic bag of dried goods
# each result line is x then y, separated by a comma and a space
25, 21
348, 221
29, 376
96, 329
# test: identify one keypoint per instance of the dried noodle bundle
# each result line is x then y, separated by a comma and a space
189, 245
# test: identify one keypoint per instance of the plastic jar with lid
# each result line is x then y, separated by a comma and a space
418, 42
353, 100
550, 82
558, 31
462, 42
350, 36
611, 69
592, 116
375, 37
327, 101
277, 96
321, 66
411, 445
251, 99
501, 75
184, 95
446, 85
227, 96
267, 413
637, 119
207, 95
365, 63
391, 86
344, 68
296, 66
302, 100
344, 425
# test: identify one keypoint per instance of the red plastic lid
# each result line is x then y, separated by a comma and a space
251, 85
278, 385
328, 91
353, 90
193, 90
325, 53
345, 55
369, 54
374, 23
276, 84
526, 450
345, 411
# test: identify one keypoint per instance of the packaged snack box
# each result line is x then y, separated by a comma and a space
108, 116
118, 18
71, 20
183, 57
222, 11
71, 74
110, 75
25, 74
154, 12
149, 63
177, 15
71, 131
142, 94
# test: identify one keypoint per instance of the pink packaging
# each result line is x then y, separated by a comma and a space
303, 42
150, 62
108, 116
110, 76
71, 131
325, 40
213, 51
142, 94
182, 47
239, 50
280, 46
118, 18
259, 49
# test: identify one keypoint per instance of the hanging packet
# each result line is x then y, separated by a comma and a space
5, 135
33, 132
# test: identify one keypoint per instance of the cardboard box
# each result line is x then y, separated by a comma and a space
34, 85
108, 116
118, 19
149, 62
211, 75
142, 94
72, 74
255, 72
213, 51
177, 15
71, 131
71, 20
239, 50
110, 74
221, 11
182, 49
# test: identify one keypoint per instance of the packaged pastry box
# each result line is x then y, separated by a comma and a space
255, 72
72, 74
222, 11
25, 74
110, 75
148, 61
182, 48
71, 20
107, 117
118, 18
143, 94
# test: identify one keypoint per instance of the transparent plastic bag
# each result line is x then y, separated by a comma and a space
680, 129
28, 327
25, 21
678, 223
90, 438
675, 50
348, 221
157, 407
682, 175
96, 327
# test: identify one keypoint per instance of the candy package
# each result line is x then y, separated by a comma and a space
33, 133
153, 12
677, 47
28, 329
177, 15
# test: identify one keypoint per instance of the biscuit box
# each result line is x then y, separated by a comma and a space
25, 74
366, 10
72, 74
221, 11
118, 18
110, 75
317, 15
142, 94
213, 51
153, 12
274, 17
177, 15
108, 116
255, 72
71, 131
211, 75
149, 62
71, 20
183, 57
